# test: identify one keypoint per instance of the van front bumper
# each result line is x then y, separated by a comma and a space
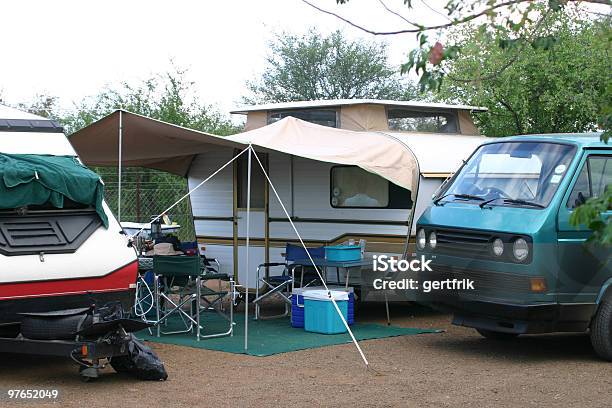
520, 318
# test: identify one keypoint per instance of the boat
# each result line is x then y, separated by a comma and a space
60, 245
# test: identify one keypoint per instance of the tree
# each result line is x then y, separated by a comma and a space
558, 88
166, 97
314, 66
520, 22
42, 105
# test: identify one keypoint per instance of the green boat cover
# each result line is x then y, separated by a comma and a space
27, 179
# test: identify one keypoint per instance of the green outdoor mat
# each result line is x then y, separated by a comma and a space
268, 337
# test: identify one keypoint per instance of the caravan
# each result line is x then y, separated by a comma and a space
329, 203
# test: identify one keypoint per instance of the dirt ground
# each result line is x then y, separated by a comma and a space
455, 368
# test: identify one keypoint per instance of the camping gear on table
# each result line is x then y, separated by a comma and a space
320, 315
343, 253
297, 304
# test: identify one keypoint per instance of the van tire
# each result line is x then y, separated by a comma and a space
494, 335
601, 329
53, 328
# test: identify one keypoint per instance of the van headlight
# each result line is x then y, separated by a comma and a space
433, 240
520, 249
421, 239
498, 247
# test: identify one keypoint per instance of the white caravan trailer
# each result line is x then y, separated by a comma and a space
328, 203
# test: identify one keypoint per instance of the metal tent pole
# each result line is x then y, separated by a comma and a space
247, 266
120, 165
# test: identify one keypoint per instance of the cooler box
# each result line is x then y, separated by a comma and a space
343, 253
320, 315
297, 304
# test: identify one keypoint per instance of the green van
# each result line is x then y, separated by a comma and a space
502, 221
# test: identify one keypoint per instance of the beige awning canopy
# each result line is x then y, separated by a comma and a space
154, 144
146, 143
375, 152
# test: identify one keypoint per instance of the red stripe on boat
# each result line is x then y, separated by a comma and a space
114, 281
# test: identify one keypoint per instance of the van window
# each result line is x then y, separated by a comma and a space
258, 180
512, 174
406, 120
595, 176
324, 117
353, 187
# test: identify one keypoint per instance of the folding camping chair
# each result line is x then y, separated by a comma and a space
177, 276
184, 277
282, 284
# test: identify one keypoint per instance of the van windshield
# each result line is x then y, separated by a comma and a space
525, 174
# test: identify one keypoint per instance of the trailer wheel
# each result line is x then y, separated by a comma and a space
601, 328
52, 328
493, 335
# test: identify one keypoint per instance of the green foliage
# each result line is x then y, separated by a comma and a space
167, 97
557, 84
164, 97
589, 214
314, 66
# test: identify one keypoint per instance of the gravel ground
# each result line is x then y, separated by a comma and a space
455, 368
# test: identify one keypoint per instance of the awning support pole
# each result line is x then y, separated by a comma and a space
120, 165
247, 266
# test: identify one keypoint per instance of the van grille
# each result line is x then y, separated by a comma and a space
487, 282
458, 241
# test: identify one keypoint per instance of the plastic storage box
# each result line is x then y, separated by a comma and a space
320, 315
297, 304
343, 253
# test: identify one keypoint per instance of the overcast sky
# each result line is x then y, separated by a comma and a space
72, 49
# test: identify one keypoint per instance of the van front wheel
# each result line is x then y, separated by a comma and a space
493, 335
601, 329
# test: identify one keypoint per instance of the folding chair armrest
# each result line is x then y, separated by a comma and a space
264, 265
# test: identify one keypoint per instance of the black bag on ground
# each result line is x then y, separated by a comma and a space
141, 362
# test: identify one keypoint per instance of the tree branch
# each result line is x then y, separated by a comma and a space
517, 121
439, 26
395, 13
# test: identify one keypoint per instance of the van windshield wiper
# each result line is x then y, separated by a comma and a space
512, 201
464, 196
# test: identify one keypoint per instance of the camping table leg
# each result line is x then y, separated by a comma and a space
346, 284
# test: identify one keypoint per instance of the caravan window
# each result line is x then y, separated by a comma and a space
325, 117
353, 187
406, 120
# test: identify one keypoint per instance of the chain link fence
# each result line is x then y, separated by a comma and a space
145, 194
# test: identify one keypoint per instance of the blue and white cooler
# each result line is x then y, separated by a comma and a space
297, 304
320, 315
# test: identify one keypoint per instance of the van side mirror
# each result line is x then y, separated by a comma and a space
579, 200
